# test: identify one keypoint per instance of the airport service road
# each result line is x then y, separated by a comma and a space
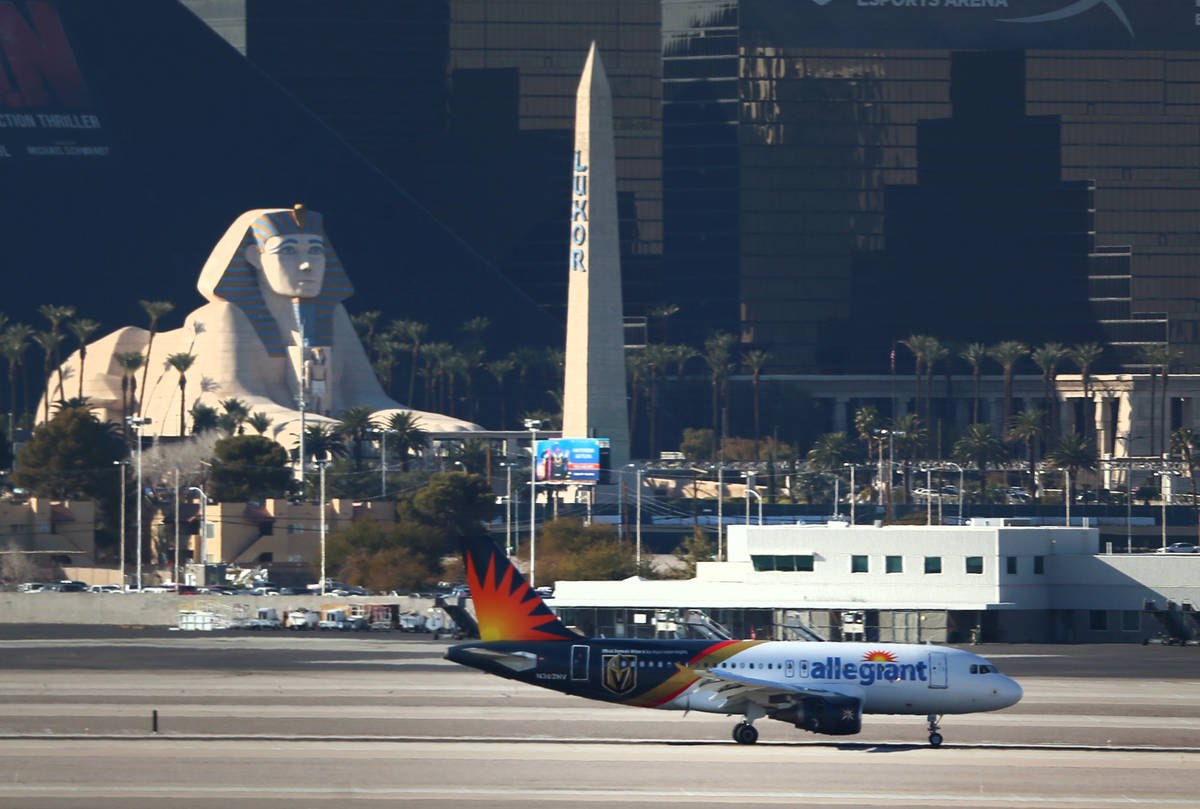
330, 720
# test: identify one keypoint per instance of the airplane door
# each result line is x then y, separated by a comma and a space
789, 669
579, 662
937, 669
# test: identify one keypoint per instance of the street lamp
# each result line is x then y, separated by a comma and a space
891, 435
383, 434
532, 425
853, 490
137, 422
960, 487
200, 549
750, 490
121, 547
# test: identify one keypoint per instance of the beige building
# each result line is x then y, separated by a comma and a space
277, 531
63, 531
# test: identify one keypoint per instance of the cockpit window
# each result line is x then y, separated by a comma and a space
983, 669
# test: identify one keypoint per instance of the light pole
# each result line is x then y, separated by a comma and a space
300, 404
720, 511
1162, 494
929, 496
200, 549
321, 464
960, 487
508, 540
175, 572
750, 490
137, 422
1067, 493
383, 434
121, 545
852, 491
638, 532
532, 425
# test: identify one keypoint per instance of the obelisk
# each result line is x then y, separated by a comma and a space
594, 403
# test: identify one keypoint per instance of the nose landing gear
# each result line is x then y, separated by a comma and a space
935, 738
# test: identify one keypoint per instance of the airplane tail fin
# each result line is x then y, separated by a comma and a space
506, 607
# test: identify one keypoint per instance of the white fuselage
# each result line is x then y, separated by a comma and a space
889, 678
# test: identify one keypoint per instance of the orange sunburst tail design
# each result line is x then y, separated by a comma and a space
506, 608
879, 656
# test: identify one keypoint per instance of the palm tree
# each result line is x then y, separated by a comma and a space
935, 352
917, 344
830, 451
204, 418
412, 333
407, 436
154, 310
1048, 357
56, 315
680, 356
1028, 426
260, 421
499, 369
181, 362
356, 423
235, 415
1072, 452
1008, 354
83, 329
980, 446
1185, 442
49, 341
526, 359
364, 326
910, 437
755, 360
128, 362
1085, 356
975, 354
658, 357
636, 368
321, 440
717, 354
1155, 356
13, 345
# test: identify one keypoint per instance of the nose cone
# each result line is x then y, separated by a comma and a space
1008, 692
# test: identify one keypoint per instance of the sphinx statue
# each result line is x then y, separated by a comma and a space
274, 327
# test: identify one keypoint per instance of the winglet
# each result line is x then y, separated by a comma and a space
506, 608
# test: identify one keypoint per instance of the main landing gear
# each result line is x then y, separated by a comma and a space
744, 733
935, 738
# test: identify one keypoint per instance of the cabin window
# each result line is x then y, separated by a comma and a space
859, 564
933, 564
895, 564
974, 564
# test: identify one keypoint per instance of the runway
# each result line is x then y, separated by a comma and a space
332, 720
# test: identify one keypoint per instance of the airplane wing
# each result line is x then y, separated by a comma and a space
736, 689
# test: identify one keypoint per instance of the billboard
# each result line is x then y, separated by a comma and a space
572, 460
966, 24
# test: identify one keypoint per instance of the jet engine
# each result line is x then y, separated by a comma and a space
833, 715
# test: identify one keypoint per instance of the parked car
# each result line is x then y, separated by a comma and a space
1180, 547
31, 587
105, 588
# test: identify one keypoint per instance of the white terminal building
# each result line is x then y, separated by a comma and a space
990, 579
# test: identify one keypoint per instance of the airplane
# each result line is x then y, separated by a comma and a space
819, 686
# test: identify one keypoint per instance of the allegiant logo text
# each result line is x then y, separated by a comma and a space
864, 672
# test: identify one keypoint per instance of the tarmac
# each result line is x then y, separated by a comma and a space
106, 717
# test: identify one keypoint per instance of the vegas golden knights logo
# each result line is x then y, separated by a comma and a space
620, 673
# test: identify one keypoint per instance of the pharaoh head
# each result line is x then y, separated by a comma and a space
277, 251
288, 252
